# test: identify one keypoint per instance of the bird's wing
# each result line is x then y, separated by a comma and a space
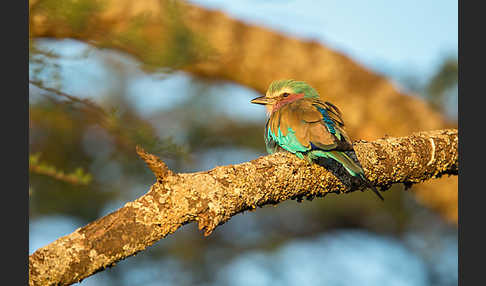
309, 124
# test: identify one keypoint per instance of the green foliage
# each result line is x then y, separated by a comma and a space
78, 177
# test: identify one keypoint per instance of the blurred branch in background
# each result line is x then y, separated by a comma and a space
212, 197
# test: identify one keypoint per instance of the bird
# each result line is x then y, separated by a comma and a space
301, 123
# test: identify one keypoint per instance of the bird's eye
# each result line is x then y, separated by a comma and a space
285, 94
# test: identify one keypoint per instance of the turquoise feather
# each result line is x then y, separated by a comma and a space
288, 142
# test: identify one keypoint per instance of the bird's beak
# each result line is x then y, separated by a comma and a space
261, 100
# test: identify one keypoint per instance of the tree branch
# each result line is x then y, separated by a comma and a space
212, 197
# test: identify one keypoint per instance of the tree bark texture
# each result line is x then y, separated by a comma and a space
212, 197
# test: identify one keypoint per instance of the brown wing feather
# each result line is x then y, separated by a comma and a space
318, 134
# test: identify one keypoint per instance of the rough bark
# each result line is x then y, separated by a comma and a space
212, 197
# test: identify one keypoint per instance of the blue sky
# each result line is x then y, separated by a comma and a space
413, 35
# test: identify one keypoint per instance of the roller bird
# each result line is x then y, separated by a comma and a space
300, 123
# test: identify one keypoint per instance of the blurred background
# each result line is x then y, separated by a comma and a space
96, 91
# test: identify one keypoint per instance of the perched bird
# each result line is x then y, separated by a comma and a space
300, 123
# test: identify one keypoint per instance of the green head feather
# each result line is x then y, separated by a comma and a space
291, 86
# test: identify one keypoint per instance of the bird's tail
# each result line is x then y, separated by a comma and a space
352, 168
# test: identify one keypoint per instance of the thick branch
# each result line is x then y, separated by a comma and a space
213, 197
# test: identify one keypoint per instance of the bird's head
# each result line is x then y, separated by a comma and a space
281, 92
